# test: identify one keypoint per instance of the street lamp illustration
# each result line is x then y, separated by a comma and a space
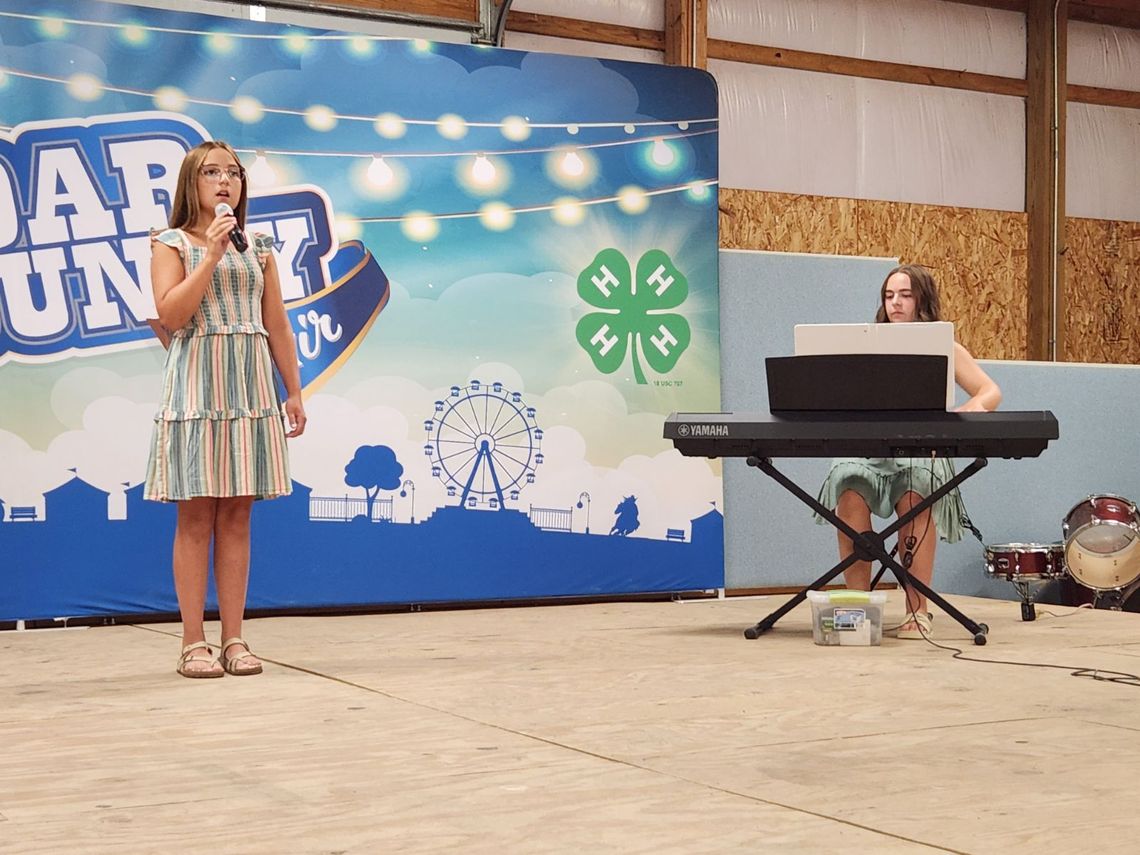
410, 485
586, 496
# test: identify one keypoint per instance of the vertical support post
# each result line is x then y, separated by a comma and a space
1045, 74
686, 33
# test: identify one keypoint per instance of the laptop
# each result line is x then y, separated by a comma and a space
865, 368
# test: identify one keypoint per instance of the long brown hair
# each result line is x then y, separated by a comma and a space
185, 210
927, 306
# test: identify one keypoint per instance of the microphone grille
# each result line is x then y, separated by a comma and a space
222, 208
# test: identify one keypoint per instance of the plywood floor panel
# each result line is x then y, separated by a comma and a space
615, 727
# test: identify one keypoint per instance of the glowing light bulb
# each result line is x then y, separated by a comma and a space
497, 216
515, 128
390, 125
451, 126
320, 118
247, 109
134, 35
53, 27
380, 173
572, 164
84, 87
170, 98
567, 211
348, 227
420, 226
482, 171
662, 153
220, 43
296, 44
261, 173
632, 200
360, 46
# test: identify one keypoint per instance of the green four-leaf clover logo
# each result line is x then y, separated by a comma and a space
634, 312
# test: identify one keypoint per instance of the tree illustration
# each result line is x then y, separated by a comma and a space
374, 468
634, 312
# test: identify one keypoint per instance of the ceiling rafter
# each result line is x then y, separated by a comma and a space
476, 16
1116, 13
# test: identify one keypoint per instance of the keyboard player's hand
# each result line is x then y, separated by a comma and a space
971, 406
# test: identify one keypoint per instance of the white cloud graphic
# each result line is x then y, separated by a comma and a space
670, 489
26, 474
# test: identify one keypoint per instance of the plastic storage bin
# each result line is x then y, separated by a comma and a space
848, 618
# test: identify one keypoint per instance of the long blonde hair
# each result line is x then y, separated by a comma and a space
184, 212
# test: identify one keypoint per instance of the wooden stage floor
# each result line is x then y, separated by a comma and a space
613, 727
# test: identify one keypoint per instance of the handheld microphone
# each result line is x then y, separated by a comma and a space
237, 237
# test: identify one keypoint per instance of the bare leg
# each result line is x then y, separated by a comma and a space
191, 566
231, 564
925, 540
852, 509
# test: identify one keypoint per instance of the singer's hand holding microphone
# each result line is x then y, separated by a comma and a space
236, 236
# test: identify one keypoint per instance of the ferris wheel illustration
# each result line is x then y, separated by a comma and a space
484, 444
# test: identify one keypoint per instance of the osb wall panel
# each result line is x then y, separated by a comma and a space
977, 256
978, 261
1102, 292
785, 222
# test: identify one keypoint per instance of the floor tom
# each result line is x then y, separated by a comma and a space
1102, 542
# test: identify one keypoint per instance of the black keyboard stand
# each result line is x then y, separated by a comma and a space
869, 546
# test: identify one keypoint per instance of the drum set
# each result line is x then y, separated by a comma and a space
1100, 553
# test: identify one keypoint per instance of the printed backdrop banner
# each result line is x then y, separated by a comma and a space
501, 272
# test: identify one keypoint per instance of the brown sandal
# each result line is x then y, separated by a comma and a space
198, 672
234, 664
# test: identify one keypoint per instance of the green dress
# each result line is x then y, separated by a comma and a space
220, 429
883, 481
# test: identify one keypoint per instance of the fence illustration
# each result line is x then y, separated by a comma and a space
550, 519
346, 508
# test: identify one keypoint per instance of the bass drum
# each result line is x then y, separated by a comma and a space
1066, 592
1102, 542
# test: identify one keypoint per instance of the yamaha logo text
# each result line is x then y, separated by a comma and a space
705, 430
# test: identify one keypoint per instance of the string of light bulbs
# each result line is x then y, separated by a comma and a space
53, 20
690, 187
246, 109
403, 155
423, 226
87, 87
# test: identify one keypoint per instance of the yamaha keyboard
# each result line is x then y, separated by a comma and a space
1007, 434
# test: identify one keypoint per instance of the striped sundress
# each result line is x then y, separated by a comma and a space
219, 431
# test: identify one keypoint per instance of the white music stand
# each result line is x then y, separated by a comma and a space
935, 338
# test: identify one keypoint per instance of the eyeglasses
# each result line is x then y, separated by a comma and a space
214, 173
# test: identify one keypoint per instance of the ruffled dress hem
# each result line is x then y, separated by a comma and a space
882, 482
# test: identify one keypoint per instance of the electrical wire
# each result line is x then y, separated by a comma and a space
910, 543
1102, 675
1066, 614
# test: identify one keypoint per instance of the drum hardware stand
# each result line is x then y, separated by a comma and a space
869, 546
1028, 610
883, 567
1115, 598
